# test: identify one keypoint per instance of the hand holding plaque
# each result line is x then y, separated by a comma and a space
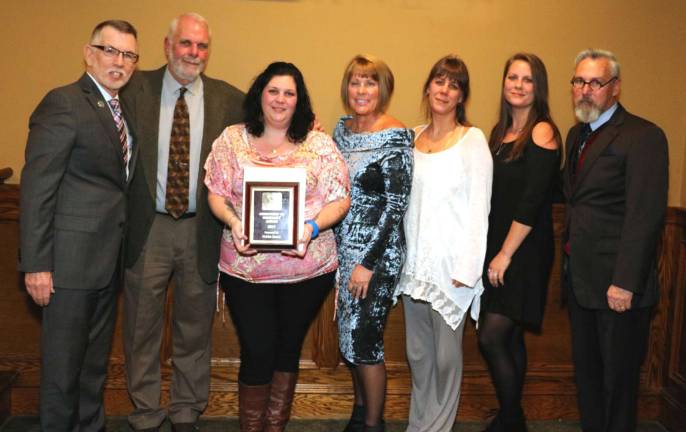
240, 240
303, 243
273, 207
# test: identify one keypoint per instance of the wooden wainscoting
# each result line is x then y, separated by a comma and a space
324, 389
672, 374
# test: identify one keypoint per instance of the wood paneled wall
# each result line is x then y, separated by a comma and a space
670, 357
324, 389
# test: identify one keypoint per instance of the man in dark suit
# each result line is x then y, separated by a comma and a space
172, 233
615, 182
78, 159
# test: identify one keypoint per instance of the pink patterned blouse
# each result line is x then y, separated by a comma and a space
327, 181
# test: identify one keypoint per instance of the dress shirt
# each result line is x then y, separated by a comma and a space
195, 100
129, 138
603, 118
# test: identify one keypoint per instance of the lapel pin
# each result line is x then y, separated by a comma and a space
101, 104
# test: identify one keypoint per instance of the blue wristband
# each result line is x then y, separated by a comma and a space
315, 228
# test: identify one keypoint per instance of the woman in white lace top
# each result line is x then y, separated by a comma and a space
445, 229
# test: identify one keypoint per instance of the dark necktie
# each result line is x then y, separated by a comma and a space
176, 198
580, 144
583, 136
119, 121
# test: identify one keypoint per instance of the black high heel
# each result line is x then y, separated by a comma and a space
356, 422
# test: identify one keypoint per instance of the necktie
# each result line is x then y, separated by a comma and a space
119, 121
583, 137
176, 198
580, 144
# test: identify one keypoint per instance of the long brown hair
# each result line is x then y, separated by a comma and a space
454, 69
540, 111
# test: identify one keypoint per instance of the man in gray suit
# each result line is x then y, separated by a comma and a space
172, 236
78, 159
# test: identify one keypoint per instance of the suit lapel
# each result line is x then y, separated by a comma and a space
609, 132
212, 124
572, 136
134, 154
102, 111
130, 119
148, 100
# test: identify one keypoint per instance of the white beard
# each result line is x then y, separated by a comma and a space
181, 70
586, 111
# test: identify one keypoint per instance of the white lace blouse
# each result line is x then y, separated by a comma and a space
446, 225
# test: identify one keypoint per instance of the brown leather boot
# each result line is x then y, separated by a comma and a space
252, 406
280, 401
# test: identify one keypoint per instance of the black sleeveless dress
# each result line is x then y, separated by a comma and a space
522, 191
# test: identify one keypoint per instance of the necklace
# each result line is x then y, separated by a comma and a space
515, 132
264, 149
441, 143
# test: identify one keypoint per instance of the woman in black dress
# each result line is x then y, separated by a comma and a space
525, 147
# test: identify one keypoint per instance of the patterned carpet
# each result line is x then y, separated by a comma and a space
118, 424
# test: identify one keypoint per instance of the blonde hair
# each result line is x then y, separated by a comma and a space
375, 68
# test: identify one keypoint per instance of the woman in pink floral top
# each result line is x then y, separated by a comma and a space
273, 296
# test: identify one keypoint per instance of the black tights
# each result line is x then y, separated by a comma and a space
502, 344
369, 383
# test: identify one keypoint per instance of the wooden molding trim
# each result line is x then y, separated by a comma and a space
9, 202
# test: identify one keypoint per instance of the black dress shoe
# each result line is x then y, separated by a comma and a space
496, 425
184, 427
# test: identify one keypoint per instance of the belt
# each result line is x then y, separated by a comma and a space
183, 216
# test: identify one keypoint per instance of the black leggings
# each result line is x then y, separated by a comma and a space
271, 321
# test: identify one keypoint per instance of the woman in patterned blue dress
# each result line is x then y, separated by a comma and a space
371, 244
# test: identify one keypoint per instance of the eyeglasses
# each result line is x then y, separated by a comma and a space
579, 83
110, 51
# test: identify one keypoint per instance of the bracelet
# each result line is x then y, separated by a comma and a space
315, 228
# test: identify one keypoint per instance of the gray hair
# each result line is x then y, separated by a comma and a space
173, 25
599, 53
119, 25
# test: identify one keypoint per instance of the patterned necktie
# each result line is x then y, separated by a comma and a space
176, 199
119, 121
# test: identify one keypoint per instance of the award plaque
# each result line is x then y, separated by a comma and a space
273, 207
